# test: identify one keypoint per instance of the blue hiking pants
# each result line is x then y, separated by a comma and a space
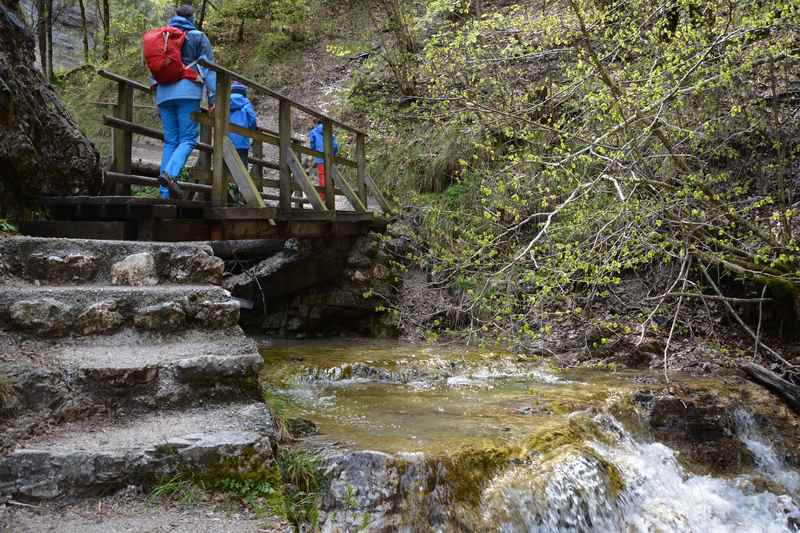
180, 136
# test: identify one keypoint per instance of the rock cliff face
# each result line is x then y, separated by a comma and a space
41, 149
67, 32
310, 287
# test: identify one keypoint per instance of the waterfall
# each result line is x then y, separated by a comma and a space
767, 459
574, 493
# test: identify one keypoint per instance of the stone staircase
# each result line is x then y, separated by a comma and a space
121, 363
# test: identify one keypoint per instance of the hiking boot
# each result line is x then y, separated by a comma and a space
172, 185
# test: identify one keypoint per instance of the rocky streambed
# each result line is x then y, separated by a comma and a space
415, 438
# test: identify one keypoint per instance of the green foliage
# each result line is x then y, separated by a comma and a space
249, 35
277, 409
146, 192
260, 496
7, 227
304, 483
176, 488
301, 470
600, 140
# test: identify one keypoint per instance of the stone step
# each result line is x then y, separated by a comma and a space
87, 459
104, 309
50, 382
47, 261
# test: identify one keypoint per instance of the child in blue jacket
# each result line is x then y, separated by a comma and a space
242, 115
316, 141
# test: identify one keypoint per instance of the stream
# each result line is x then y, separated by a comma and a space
430, 438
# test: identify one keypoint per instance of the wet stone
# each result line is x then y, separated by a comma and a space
101, 317
301, 427
136, 269
371, 476
160, 317
698, 424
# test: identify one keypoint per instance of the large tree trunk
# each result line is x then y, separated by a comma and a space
50, 70
41, 33
84, 30
203, 7
41, 149
106, 29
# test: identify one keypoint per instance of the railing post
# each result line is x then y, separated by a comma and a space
219, 184
204, 158
361, 161
285, 133
257, 169
123, 139
203, 167
327, 135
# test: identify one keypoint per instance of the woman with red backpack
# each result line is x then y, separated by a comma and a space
171, 54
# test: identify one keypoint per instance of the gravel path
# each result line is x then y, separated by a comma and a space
135, 514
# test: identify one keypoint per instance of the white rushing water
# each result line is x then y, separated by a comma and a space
574, 494
767, 459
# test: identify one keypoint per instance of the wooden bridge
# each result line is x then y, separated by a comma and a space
280, 200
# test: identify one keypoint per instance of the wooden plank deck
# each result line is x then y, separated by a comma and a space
156, 219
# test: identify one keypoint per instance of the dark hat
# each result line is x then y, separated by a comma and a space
185, 11
238, 87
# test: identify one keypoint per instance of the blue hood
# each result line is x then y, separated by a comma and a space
182, 23
238, 87
238, 101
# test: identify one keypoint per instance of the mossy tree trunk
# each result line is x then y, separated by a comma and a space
41, 149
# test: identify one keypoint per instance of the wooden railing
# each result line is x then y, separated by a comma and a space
218, 161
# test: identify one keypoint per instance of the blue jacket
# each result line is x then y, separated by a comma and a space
195, 46
242, 114
316, 141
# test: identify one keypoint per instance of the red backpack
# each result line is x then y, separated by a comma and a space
162, 54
